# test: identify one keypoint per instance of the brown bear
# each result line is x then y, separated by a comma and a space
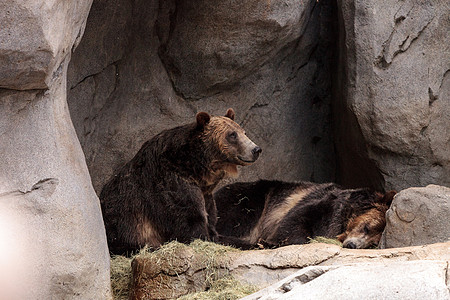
283, 213
165, 192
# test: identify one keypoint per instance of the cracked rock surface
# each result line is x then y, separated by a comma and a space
36, 37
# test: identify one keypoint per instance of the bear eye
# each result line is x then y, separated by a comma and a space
366, 229
233, 135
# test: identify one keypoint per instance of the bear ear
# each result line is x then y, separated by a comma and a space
341, 237
202, 119
230, 114
388, 197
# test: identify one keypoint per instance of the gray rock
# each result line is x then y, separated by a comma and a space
393, 93
396, 280
45, 183
270, 61
36, 38
52, 238
213, 45
418, 216
266, 267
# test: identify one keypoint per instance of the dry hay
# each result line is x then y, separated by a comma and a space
213, 256
226, 288
325, 240
121, 274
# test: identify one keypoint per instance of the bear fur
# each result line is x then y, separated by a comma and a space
165, 192
283, 213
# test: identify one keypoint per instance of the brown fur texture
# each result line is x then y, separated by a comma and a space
165, 192
283, 213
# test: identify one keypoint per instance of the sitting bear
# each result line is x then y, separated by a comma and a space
165, 192
281, 213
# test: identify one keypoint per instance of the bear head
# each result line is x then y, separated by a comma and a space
227, 139
364, 230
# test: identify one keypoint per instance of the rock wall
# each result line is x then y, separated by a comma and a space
392, 92
355, 92
145, 66
52, 239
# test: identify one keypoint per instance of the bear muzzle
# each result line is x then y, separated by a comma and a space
251, 156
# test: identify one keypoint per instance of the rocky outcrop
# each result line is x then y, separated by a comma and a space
406, 280
145, 66
36, 38
418, 216
263, 268
393, 93
53, 244
186, 270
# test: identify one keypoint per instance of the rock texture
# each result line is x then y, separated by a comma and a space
51, 225
214, 44
393, 93
263, 268
186, 270
145, 66
36, 37
406, 280
418, 216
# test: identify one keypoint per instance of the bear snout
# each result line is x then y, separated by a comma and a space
256, 151
349, 245
248, 152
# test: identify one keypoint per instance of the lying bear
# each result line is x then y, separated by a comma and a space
165, 192
282, 213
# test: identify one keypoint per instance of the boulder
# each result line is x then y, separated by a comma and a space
396, 280
418, 216
36, 38
146, 66
52, 238
393, 93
